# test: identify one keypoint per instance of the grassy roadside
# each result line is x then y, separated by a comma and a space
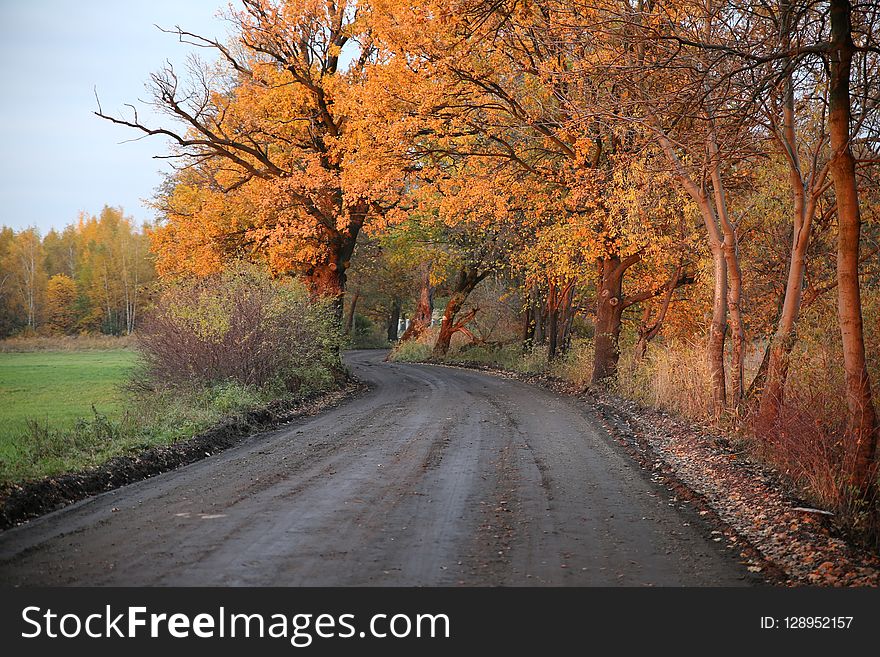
575, 367
65, 411
217, 357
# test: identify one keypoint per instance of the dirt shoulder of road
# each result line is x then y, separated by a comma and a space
748, 505
26, 500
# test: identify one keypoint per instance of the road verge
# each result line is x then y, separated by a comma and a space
23, 501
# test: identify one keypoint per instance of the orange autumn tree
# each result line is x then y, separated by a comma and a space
267, 168
637, 225
460, 229
475, 80
465, 102
480, 219
618, 86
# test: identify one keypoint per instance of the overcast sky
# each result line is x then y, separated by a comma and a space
57, 157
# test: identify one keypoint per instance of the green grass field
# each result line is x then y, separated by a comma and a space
56, 388
60, 386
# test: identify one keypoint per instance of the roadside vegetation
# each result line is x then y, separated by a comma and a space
211, 350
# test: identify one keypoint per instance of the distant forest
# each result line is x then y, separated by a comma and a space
89, 277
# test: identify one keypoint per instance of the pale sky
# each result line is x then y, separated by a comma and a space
57, 158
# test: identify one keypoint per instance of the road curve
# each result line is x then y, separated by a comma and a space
436, 476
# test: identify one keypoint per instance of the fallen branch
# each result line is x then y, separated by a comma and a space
809, 510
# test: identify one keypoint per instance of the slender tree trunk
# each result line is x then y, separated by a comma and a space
394, 320
785, 337
31, 289
717, 334
737, 331
528, 323
645, 328
609, 310
648, 332
730, 250
552, 321
861, 418
540, 314
527, 334
567, 320
134, 300
349, 318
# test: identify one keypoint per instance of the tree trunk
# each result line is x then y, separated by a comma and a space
552, 321
467, 280
394, 320
349, 318
529, 323
717, 333
540, 316
421, 319
730, 251
773, 394
567, 321
609, 310
447, 327
737, 332
327, 278
861, 418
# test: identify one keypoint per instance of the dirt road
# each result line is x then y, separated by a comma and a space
436, 476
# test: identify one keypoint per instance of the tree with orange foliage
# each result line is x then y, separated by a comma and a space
269, 165
471, 82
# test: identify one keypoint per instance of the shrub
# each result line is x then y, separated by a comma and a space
240, 326
809, 443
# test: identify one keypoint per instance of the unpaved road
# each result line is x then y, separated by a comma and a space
436, 476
